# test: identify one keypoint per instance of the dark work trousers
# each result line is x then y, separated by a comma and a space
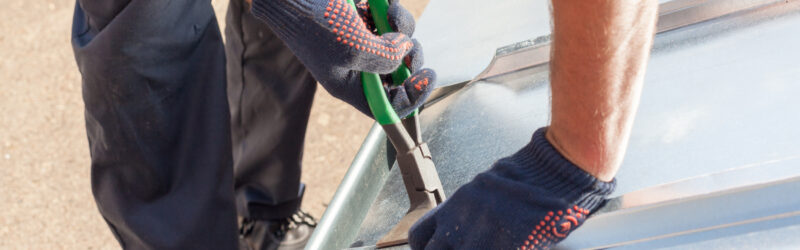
270, 94
169, 165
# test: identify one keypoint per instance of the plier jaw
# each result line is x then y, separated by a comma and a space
421, 180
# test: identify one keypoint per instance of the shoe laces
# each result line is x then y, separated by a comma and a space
302, 218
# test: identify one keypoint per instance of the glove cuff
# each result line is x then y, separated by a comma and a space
541, 165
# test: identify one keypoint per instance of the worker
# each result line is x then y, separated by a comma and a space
154, 90
534, 198
183, 141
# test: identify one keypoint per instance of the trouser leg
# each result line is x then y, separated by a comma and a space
157, 122
270, 94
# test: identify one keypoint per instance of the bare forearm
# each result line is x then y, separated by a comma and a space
600, 50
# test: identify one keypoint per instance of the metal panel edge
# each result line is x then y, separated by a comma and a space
341, 221
753, 204
733, 180
672, 15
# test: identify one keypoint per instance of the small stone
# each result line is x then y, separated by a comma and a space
7, 156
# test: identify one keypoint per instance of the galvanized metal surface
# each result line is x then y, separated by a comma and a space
478, 31
680, 13
460, 36
731, 204
718, 96
672, 15
338, 225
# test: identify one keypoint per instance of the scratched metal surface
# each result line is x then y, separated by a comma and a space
718, 95
460, 36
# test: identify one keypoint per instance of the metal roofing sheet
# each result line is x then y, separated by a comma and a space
719, 95
716, 129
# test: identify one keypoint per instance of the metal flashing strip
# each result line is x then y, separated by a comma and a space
677, 14
706, 229
672, 15
526, 54
768, 203
748, 176
759, 193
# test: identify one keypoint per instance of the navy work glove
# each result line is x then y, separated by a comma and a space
530, 200
332, 40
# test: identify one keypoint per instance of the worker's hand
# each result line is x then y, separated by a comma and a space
332, 40
530, 200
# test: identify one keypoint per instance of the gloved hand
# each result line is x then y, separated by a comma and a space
332, 40
530, 200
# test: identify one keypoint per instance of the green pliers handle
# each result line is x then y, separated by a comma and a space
373, 86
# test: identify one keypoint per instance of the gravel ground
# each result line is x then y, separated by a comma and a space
45, 195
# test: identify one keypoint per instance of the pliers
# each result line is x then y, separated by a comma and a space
422, 182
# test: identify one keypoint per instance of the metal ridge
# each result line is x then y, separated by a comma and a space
731, 180
767, 203
705, 229
672, 15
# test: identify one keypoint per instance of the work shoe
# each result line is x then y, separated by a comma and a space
283, 234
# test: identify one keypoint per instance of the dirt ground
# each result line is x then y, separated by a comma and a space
45, 195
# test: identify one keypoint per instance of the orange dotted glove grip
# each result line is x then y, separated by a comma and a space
335, 43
